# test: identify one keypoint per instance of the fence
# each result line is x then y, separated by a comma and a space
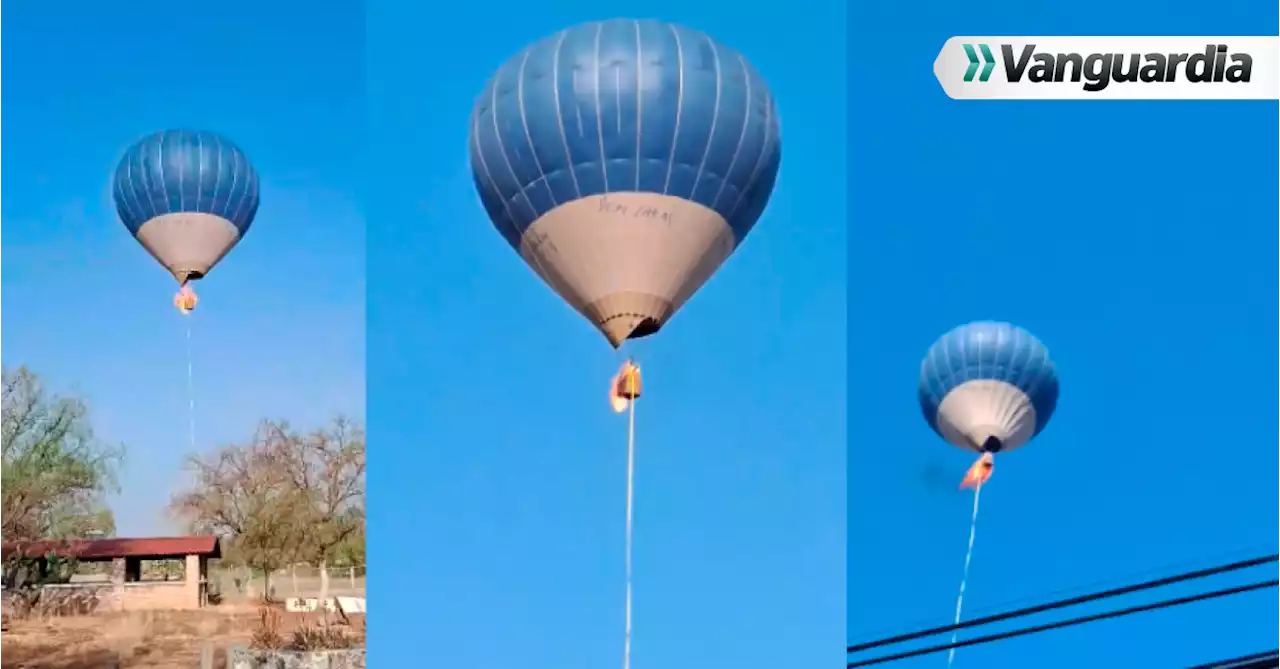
294, 581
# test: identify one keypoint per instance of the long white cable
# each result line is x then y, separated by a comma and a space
968, 556
191, 393
631, 467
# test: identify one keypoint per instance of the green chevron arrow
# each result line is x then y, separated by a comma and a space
987, 58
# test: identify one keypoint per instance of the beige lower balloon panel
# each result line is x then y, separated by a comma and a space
188, 244
627, 261
982, 408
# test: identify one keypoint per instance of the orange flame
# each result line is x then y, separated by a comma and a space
624, 387
185, 300
979, 472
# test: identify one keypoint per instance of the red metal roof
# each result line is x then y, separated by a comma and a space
105, 549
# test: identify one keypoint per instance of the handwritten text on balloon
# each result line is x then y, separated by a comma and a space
641, 211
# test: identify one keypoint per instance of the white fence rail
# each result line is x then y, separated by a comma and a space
294, 581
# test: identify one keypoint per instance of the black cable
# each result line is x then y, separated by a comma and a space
1267, 660
1072, 601
1069, 622
1071, 591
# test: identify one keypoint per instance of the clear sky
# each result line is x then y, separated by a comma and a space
500, 465
279, 332
1138, 241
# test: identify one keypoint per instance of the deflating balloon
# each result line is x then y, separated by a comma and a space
988, 387
625, 161
188, 197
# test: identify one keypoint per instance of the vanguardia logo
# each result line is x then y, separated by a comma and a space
1110, 67
1096, 71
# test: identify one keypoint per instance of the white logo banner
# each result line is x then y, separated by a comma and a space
1110, 68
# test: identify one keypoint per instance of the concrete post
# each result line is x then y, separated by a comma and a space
117, 583
191, 583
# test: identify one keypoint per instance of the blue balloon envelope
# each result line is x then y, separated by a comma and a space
188, 197
625, 161
988, 386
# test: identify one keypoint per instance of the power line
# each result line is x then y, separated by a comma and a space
1101, 583
1071, 591
1071, 601
1267, 660
1071, 622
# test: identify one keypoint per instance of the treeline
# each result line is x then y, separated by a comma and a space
56, 474
282, 497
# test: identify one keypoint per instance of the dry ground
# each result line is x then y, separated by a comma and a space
138, 640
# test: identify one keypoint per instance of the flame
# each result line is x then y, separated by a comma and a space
616, 401
624, 387
186, 299
979, 472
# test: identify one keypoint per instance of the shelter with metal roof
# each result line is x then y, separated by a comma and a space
127, 585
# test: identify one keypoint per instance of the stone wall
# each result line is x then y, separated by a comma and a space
86, 598
241, 657
67, 600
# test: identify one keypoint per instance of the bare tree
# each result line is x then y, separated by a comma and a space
55, 473
326, 469
284, 497
242, 494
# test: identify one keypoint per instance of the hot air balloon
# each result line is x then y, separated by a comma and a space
988, 387
625, 161
188, 197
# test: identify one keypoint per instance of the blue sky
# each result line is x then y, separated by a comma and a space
1138, 241
497, 463
280, 329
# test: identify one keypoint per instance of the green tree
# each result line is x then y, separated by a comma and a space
242, 494
326, 471
56, 474
284, 497
351, 552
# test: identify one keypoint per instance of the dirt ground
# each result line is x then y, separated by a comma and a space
138, 640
